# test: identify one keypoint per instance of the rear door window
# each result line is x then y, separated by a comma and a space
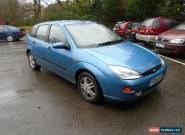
42, 32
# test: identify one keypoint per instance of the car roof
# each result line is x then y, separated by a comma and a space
66, 22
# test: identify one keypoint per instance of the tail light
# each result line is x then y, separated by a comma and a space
151, 31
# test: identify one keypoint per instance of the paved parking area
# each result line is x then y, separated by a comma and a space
42, 103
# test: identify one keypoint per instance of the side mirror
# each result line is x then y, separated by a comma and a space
59, 45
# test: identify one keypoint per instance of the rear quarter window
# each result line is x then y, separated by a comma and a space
33, 31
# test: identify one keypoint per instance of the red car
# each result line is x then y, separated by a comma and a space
150, 28
2, 22
131, 31
172, 41
122, 27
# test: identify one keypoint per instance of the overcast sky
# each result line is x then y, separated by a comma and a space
45, 1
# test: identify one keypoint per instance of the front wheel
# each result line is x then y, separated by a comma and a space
32, 62
89, 88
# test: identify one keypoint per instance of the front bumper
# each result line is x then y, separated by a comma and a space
170, 49
112, 88
146, 38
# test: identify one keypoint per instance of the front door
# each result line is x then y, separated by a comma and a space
58, 60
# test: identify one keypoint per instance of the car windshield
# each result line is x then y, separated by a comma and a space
180, 27
89, 35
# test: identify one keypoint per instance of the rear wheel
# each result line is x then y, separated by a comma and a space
89, 88
9, 38
32, 62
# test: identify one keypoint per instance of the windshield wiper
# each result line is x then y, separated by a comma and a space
110, 42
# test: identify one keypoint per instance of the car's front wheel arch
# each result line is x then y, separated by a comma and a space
81, 71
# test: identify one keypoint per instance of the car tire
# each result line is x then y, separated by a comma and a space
89, 88
32, 62
9, 38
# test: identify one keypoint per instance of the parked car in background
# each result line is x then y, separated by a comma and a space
95, 58
172, 41
11, 33
2, 22
121, 27
132, 30
150, 28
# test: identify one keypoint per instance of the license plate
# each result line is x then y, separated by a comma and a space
160, 45
156, 80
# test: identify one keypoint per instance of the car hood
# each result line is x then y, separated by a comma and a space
173, 34
126, 54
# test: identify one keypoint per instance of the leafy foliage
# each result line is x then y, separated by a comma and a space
105, 11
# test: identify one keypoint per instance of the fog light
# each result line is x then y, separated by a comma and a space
127, 90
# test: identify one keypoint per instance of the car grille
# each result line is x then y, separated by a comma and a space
151, 71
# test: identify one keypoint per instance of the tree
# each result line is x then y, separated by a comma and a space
172, 8
9, 10
37, 9
141, 9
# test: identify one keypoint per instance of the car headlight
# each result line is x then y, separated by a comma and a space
125, 73
177, 41
162, 61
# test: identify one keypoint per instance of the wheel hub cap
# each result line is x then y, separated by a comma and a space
87, 87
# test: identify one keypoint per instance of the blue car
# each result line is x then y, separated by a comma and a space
96, 59
11, 33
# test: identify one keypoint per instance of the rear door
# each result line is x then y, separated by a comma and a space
40, 44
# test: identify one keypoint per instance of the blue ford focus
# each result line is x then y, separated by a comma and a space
95, 58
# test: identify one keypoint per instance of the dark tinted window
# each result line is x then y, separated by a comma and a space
170, 22
56, 35
42, 32
33, 31
151, 22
